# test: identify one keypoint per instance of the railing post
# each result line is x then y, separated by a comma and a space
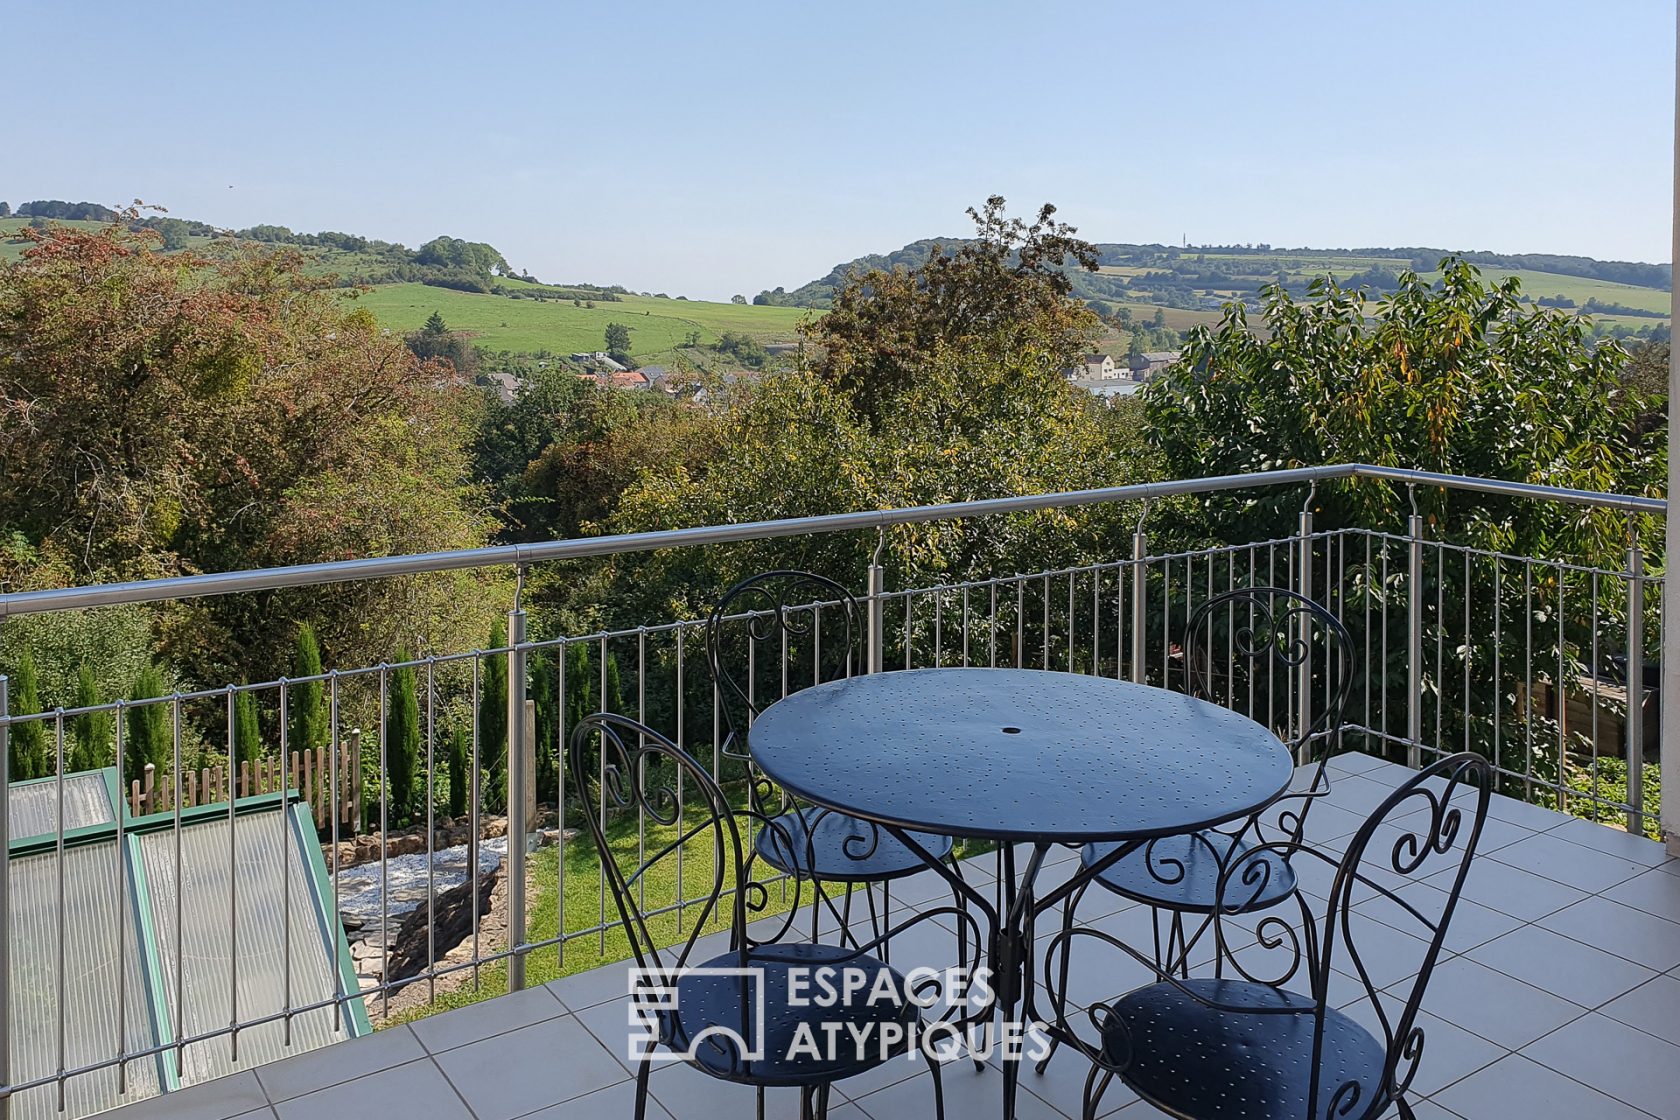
1304, 587
1634, 726
1140, 588
1670, 698
5, 900
1414, 642
516, 823
876, 622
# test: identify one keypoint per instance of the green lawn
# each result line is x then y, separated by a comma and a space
584, 901
657, 326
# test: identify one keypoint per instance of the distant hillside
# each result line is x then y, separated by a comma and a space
475, 290
1624, 297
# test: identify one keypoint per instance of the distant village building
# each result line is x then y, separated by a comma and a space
597, 359
1099, 367
505, 385
1107, 389
1151, 363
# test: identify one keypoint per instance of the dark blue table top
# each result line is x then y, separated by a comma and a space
1019, 754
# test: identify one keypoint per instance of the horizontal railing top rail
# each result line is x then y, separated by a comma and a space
344, 571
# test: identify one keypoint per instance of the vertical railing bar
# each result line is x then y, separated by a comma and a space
1593, 673
1469, 647
474, 823
385, 840
339, 994
431, 830
59, 851
966, 638
285, 874
1528, 680
1634, 725
1498, 669
233, 877
601, 785
6, 897
119, 848
1414, 641
1044, 636
180, 890
561, 758
1560, 698
682, 741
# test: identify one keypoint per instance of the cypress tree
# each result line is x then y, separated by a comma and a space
308, 728
402, 742
91, 731
460, 782
492, 718
28, 740
247, 732
148, 737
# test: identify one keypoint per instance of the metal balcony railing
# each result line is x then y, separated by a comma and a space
1537, 662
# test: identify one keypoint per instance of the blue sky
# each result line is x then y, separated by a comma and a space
707, 149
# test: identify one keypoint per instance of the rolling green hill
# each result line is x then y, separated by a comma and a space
657, 326
1191, 284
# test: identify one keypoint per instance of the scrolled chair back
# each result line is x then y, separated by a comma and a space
1249, 648
772, 634
1428, 828
624, 771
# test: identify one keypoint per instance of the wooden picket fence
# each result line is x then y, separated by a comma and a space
309, 772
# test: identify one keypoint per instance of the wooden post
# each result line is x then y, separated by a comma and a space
149, 788
356, 779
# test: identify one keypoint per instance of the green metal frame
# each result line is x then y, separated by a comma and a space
127, 830
357, 1006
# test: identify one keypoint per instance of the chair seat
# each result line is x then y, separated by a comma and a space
1182, 873
842, 849
1202, 1063
709, 1010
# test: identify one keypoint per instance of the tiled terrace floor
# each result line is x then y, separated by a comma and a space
1560, 998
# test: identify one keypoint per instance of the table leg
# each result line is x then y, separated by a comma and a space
1013, 960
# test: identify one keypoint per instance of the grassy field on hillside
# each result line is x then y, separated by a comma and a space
657, 326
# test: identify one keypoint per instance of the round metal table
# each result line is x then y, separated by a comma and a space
1019, 755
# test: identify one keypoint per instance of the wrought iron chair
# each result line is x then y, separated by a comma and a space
736, 1015
1272, 638
1254, 1047
807, 626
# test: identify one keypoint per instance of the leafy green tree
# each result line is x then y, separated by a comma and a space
1459, 376
309, 724
247, 728
150, 737
28, 740
740, 299
435, 327
402, 742
90, 732
618, 338
1004, 292
5, 209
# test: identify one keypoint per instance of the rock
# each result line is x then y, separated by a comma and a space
408, 955
350, 922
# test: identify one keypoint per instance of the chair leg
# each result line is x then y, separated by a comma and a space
822, 1101
806, 1112
816, 914
1068, 908
1406, 1112
760, 1102
938, 1087
1093, 1099
886, 921
643, 1068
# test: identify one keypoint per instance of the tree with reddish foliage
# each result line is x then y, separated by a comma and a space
164, 414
